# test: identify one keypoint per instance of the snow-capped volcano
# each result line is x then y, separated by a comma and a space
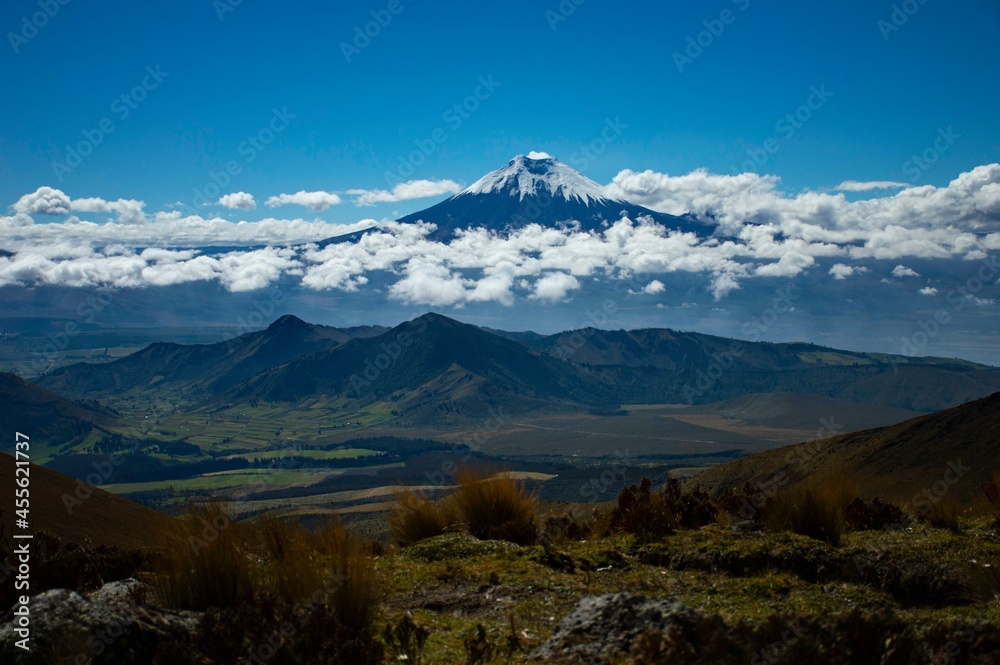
538, 174
534, 189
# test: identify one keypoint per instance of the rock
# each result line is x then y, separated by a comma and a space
456, 546
124, 591
602, 628
66, 627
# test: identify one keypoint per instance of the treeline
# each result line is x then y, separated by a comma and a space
116, 443
393, 445
137, 467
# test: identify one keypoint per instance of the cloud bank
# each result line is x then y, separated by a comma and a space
760, 233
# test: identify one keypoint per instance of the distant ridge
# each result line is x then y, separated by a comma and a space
435, 369
957, 447
205, 368
47, 416
430, 364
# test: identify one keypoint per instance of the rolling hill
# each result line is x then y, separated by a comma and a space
204, 368
100, 517
667, 366
898, 461
804, 412
50, 419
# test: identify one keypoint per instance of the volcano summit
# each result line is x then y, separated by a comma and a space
537, 189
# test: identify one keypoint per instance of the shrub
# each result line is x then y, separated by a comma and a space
406, 639
693, 509
479, 647
643, 513
813, 508
563, 527
744, 505
495, 507
415, 517
860, 515
982, 583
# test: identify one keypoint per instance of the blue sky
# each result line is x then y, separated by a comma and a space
354, 120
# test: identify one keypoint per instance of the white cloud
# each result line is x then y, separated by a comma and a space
901, 271
929, 291
43, 201
414, 189
554, 287
857, 186
238, 201
429, 283
171, 229
654, 287
790, 264
54, 202
843, 271
928, 221
129, 211
723, 284
537, 154
121, 267
315, 201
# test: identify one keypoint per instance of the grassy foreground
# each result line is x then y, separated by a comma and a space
909, 591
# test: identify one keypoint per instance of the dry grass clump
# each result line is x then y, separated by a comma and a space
206, 562
415, 517
943, 513
495, 507
247, 575
813, 508
487, 506
991, 489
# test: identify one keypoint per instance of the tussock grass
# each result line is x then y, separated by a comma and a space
206, 562
943, 513
813, 508
415, 517
495, 507
250, 574
991, 490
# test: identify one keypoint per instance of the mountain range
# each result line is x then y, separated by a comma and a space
435, 368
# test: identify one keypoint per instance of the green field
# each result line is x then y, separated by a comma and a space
342, 453
241, 426
226, 480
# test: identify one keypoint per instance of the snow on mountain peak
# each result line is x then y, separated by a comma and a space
532, 174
